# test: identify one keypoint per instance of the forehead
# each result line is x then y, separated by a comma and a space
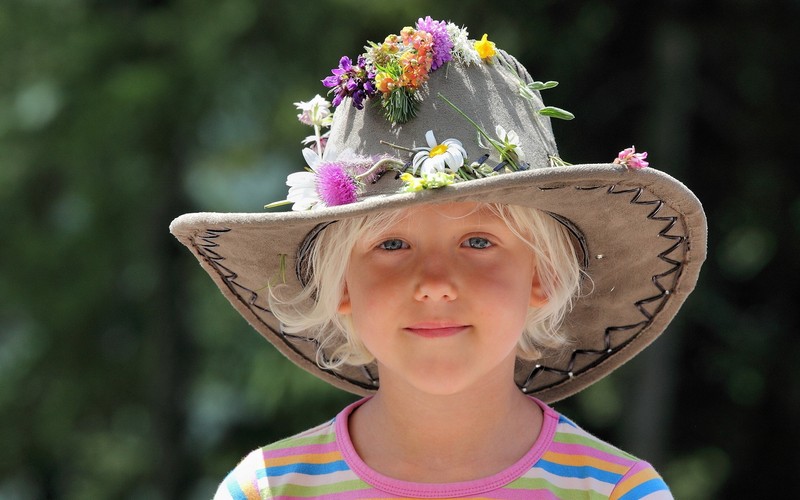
462, 211
437, 220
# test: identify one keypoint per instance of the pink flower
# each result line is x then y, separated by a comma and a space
335, 185
339, 182
631, 159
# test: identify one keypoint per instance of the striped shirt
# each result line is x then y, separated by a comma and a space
566, 462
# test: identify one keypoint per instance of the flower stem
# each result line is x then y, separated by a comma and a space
377, 166
276, 204
500, 150
319, 139
556, 161
395, 146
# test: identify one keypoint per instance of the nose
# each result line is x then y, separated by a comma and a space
435, 282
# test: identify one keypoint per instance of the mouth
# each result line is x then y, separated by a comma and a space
436, 329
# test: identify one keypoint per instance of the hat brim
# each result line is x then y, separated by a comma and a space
643, 239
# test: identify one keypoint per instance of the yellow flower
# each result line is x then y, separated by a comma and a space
434, 180
485, 48
412, 183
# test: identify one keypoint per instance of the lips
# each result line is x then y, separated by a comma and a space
436, 329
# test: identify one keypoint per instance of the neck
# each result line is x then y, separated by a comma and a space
421, 437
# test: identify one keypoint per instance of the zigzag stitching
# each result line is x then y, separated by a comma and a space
229, 277
664, 292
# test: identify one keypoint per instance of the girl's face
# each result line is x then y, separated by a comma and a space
441, 296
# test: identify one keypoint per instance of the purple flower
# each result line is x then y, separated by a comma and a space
335, 185
351, 81
442, 44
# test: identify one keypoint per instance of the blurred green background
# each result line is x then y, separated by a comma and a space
125, 374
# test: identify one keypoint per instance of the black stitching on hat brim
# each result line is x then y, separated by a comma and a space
558, 380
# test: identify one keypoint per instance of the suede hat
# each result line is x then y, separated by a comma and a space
430, 116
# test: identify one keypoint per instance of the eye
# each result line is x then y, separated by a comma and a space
393, 244
477, 242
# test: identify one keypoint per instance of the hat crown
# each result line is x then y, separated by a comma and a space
490, 94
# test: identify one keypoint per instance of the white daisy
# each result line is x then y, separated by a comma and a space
437, 157
303, 185
302, 190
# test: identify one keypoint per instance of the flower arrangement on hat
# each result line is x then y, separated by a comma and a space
392, 74
396, 68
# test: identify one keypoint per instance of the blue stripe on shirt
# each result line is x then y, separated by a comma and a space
235, 489
646, 488
304, 468
581, 472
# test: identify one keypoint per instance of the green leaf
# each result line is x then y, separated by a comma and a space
400, 105
542, 85
554, 112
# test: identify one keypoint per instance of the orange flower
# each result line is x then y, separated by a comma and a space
384, 82
415, 69
406, 34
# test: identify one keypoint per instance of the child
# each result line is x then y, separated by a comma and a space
458, 285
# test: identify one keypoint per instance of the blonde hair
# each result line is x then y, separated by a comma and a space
324, 265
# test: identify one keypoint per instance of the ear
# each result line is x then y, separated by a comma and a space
538, 296
345, 307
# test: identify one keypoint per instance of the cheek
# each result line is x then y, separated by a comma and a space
366, 289
509, 291
365, 295
505, 279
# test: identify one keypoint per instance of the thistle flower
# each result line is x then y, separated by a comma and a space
336, 185
631, 159
340, 181
330, 179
